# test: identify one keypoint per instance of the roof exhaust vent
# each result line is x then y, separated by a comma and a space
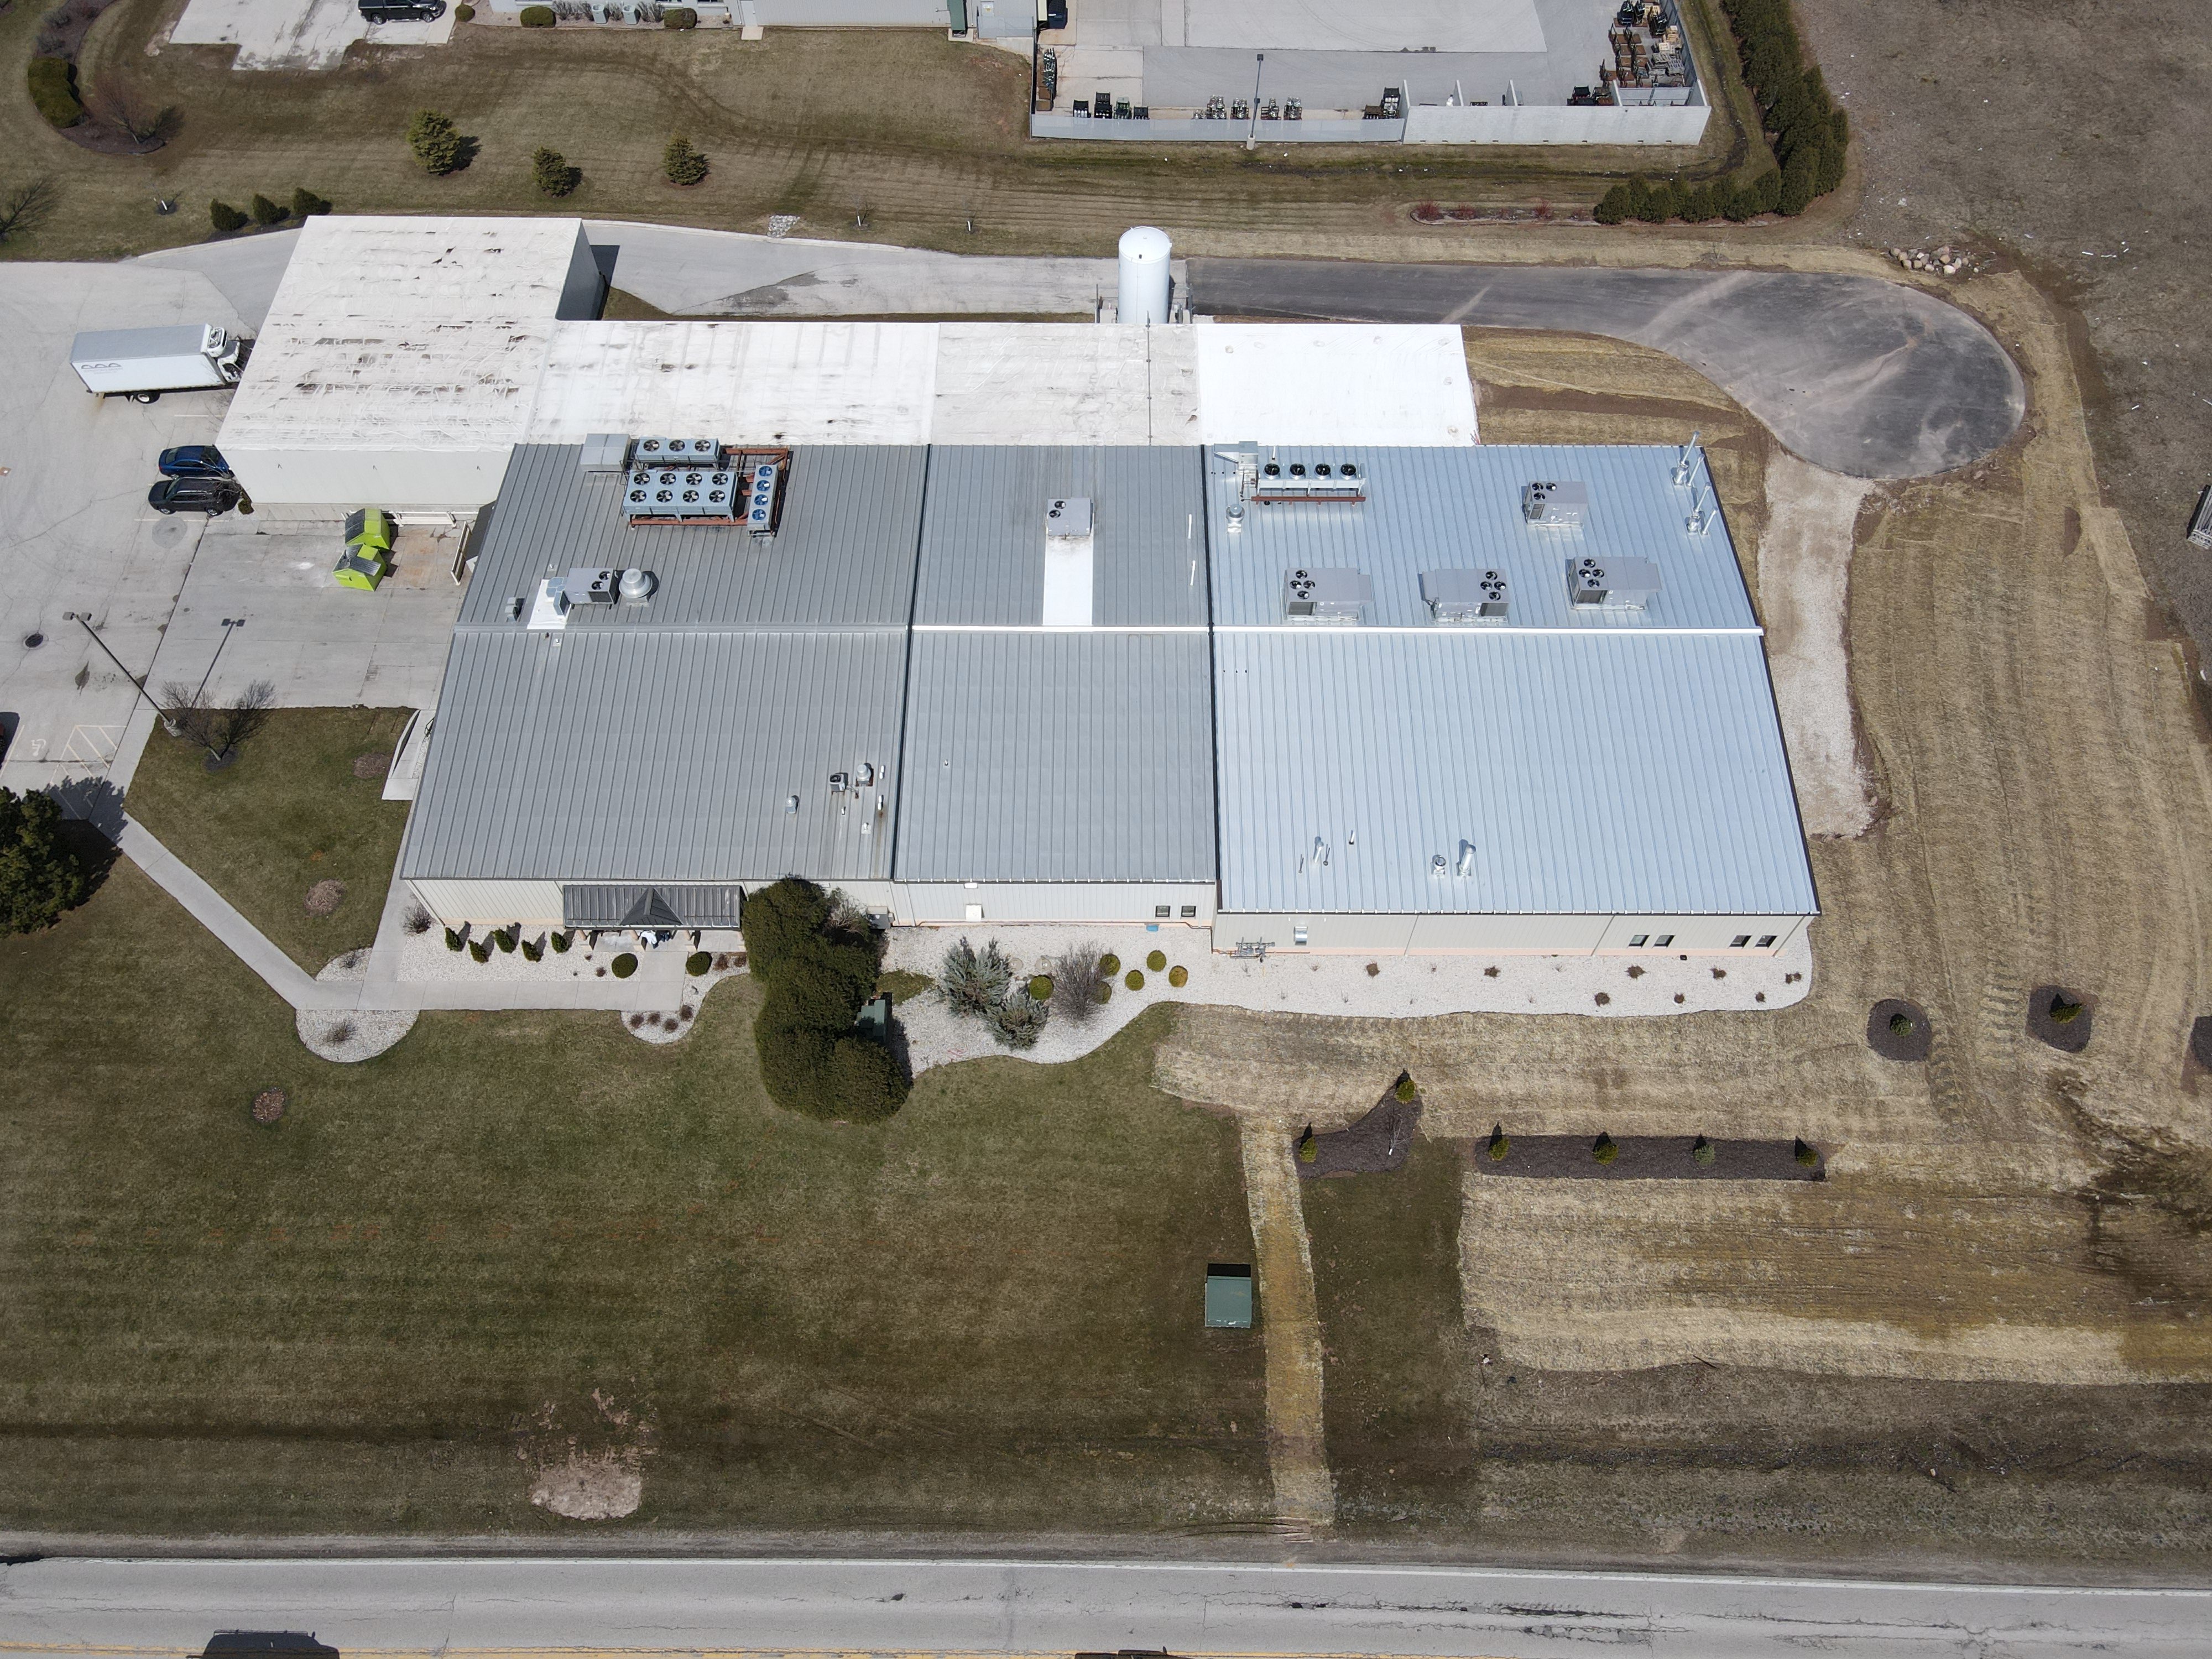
637, 585
1612, 584
1466, 858
1322, 595
1556, 505
1068, 519
1466, 596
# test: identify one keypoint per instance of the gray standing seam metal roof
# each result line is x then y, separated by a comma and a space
1428, 509
983, 541
843, 555
1613, 772
629, 755
1061, 756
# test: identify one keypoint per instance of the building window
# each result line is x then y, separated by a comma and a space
1638, 941
1663, 940
1162, 909
1766, 941
1739, 941
1189, 911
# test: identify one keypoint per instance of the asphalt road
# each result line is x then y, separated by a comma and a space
1856, 374
459, 1607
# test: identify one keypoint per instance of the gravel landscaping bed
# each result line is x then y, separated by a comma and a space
1400, 988
347, 1035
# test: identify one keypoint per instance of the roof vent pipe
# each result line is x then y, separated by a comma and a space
1143, 291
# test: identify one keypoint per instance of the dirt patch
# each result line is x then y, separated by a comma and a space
325, 897
590, 1486
1804, 576
587, 1460
1375, 1144
268, 1106
1911, 1043
1648, 1158
2061, 1018
371, 766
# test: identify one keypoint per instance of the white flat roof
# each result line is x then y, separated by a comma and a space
1007, 383
403, 333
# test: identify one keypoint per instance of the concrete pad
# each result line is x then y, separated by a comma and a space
322, 644
246, 270
75, 534
287, 34
1082, 383
1372, 26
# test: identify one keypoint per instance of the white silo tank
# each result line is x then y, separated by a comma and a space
1144, 286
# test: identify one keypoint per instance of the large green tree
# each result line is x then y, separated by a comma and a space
40, 873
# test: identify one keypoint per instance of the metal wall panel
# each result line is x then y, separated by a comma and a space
1106, 903
492, 903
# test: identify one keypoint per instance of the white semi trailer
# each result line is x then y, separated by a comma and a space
141, 363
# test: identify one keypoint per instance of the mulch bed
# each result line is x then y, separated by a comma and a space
325, 897
371, 766
1375, 1144
269, 1105
1913, 1045
1647, 1158
2070, 1037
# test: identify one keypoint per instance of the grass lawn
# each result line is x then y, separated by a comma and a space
385, 1313
288, 814
1395, 1383
911, 134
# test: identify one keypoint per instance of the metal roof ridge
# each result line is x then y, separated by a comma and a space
1445, 630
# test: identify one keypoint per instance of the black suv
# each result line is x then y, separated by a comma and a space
208, 495
402, 11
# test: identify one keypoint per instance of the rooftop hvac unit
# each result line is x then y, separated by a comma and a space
1068, 519
586, 586
604, 452
1326, 595
764, 498
676, 451
669, 492
1612, 584
1319, 481
1564, 506
1463, 596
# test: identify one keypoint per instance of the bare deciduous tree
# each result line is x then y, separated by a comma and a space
219, 728
24, 207
148, 126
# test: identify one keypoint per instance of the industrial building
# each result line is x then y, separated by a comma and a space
1235, 627
1340, 699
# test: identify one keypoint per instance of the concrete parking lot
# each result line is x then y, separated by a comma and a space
77, 540
290, 34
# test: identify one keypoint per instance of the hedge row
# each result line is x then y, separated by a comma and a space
818, 975
1809, 134
53, 89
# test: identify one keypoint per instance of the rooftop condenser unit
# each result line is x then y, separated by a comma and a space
1612, 584
1326, 595
676, 451
1464, 596
1556, 505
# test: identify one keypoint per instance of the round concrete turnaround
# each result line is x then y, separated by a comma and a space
1857, 374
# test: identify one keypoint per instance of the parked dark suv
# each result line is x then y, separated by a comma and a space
194, 461
208, 495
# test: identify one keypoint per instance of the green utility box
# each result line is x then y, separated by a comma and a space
360, 567
370, 530
1228, 1297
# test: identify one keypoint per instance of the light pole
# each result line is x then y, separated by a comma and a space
228, 622
1252, 134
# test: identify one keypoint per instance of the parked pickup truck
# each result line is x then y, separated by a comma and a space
141, 363
402, 11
